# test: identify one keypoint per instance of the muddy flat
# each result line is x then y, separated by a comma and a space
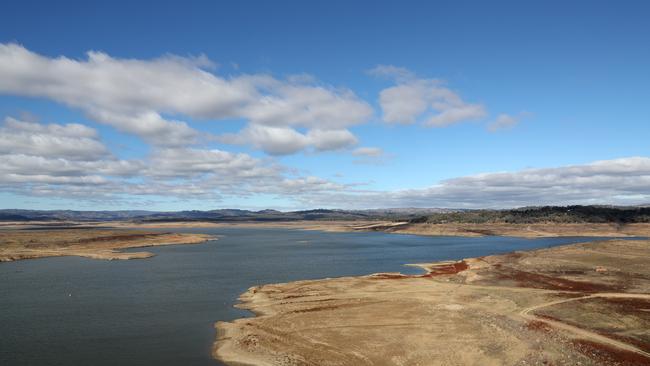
583, 304
85, 242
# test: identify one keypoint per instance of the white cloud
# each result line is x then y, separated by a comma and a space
624, 181
57, 160
73, 141
392, 72
87, 171
24, 168
272, 140
191, 163
403, 103
150, 126
428, 100
506, 121
326, 140
135, 96
68, 154
149, 98
368, 151
455, 114
370, 156
284, 140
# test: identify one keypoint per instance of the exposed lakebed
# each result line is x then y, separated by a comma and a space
161, 310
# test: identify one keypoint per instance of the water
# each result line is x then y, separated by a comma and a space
161, 310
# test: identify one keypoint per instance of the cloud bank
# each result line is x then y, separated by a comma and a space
624, 181
69, 161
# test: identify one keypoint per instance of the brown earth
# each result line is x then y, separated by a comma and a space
90, 243
524, 230
584, 304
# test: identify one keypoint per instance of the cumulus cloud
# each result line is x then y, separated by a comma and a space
506, 121
370, 156
453, 114
192, 163
624, 181
429, 101
72, 140
325, 140
69, 160
368, 151
400, 74
150, 99
305, 105
284, 140
68, 154
611, 181
138, 96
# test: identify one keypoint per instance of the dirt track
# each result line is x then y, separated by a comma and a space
528, 313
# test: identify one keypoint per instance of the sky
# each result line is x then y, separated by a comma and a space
291, 105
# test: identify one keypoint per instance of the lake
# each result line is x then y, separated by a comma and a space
161, 310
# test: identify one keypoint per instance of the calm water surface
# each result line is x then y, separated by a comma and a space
161, 310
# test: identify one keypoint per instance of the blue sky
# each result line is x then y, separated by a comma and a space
568, 82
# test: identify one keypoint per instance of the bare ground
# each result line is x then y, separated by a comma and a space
582, 304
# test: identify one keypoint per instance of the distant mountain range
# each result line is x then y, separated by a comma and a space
223, 215
557, 214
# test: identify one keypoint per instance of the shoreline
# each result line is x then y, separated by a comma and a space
510, 302
538, 230
462, 230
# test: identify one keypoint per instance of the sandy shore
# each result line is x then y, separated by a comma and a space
586, 304
89, 243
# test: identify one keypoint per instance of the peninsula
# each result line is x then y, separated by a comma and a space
586, 304
89, 242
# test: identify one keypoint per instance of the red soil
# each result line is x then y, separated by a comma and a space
437, 270
538, 326
447, 269
537, 280
119, 237
608, 355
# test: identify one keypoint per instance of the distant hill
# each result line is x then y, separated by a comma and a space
222, 215
524, 215
546, 214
